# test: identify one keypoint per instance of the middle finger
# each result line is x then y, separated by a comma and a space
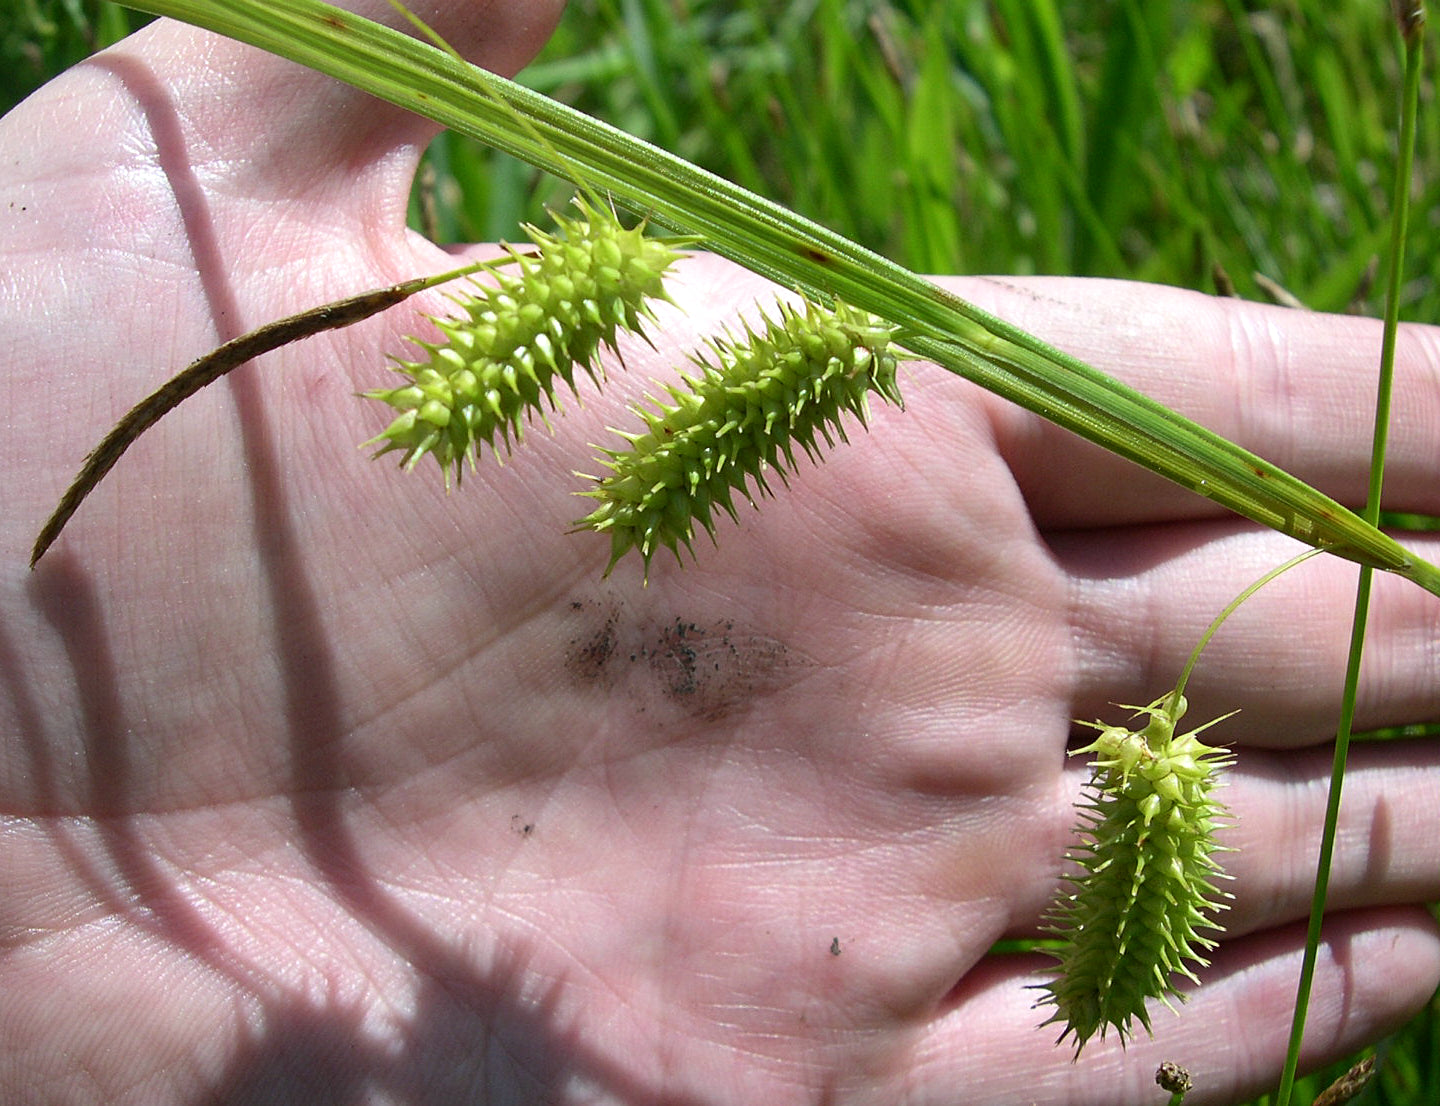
1141, 599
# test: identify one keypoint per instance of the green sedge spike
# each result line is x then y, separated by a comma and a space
753, 400
1132, 922
501, 357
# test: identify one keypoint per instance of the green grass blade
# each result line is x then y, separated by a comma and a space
1413, 39
776, 243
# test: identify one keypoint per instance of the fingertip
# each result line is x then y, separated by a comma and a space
504, 37
1376, 968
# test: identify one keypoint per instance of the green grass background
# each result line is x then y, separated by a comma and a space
1209, 144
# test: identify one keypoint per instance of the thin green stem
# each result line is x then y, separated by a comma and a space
1412, 28
1219, 620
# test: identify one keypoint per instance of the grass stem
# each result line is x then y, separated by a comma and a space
1412, 24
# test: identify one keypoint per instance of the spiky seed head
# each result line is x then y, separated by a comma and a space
753, 399
1132, 922
501, 355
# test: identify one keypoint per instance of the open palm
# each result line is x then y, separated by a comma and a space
324, 785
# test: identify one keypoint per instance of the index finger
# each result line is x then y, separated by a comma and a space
1294, 387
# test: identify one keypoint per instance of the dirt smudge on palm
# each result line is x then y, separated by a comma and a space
704, 667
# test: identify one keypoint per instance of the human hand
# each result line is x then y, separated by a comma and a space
324, 785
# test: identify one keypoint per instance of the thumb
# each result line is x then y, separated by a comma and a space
279, 131
181, 188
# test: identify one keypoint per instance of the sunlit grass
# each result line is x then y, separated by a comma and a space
1159, 141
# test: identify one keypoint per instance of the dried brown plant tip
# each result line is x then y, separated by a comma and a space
206, 370
1410, 15
1349, 1085
1171, 1077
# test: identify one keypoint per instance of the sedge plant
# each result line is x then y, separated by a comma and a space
803, 256
1133, 923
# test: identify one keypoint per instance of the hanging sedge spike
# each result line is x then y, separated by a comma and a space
1131, 924
501, 357
754, 398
